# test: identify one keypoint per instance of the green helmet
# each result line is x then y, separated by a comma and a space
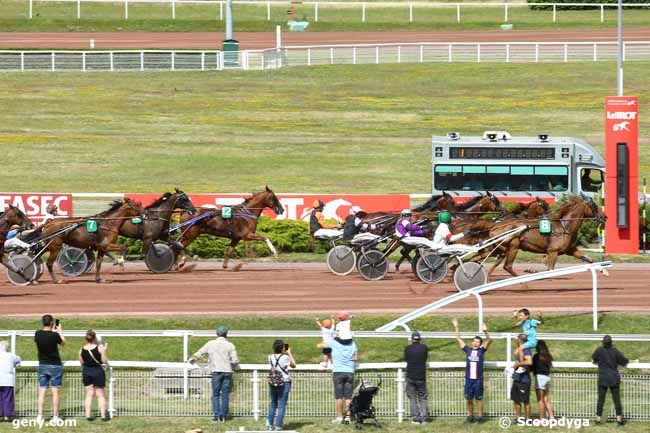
444, 217
222, 331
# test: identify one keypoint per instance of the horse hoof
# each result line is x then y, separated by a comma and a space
58, 282
606, 272
102, 281
195, 258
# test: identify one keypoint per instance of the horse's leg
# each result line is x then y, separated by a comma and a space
551, 260
231, 248
188, 238
53, 249
98, 266
256, 237
579, 255
511, 255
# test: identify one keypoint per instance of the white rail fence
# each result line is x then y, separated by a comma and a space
410, 8
172, 389
170, 60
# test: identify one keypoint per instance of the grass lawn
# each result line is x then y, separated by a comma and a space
254, 350
341, 129
197, 17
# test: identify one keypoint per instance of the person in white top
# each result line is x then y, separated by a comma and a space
281, 360
8, 362
344, 328
442, 236
327, 333
51, 211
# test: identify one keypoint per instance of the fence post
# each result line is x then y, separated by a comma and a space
410, 12
203, 60
363, 12
400, 395
399, 54
268, 11
12, 336
256, 395
111, 61
186, 355
478, 53
30, 9
507, 53
450, 55
602, 13
22, 61
308, 56
595, 52
509, 363
78, 9
354, 55
377, 55
174, 68
457, 12
554, 12
566, 53
221, 11
83, 61
505, 12
53, 62
331, 56
142, 60
111, 392
173, 9
421, 53
126, 9
316, 12
536, 53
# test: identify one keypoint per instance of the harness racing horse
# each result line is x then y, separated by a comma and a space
533, 209
240, 227
10, 217
155, 221
109, 224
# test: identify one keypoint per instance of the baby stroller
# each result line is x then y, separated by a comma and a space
361, 407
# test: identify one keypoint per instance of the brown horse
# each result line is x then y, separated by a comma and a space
109, 223
241, 227
533, 209
563, 239
155, 220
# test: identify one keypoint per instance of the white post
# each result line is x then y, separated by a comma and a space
30, 9
400, 395
316, 12
566, 53
554, 13
142, 60
421, 53
507, 53
111, 392
410, 12
602, 13
450, 56
377, 54
22, 62
126, 9
78, 9
480, 311
53, 62
595, 52
509, 363
221, 11
111, 60
308, 56
331, 56
83, 61
623, 54
399, 54
186, 384
478, 53
594, 293
363, 12
256, 395
173, 68
173, 9
536, 53
12, 337
354, 55
457, 12
203, 60
278, 38
505, 12
268, 11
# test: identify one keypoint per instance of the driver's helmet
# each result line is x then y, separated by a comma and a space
354, 210
406, 213
318, 204
444, 217
51, 208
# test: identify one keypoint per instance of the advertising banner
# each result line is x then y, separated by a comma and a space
34, 204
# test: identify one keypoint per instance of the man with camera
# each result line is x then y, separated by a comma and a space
50, 367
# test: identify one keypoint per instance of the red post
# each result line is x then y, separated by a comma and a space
622, 174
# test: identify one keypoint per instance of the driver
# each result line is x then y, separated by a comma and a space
51, 212
442, 235
354, 223
13, 240
318, 227
406, 226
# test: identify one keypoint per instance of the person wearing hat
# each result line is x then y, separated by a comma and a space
318, 226
608, 358
51, 212
354, 223
406, 226
416, 355
223, 360
13, 239
442, 236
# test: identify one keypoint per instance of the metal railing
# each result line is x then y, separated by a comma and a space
457, 52
173, 389
362, 7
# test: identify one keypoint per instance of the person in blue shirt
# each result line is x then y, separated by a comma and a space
13, 239
474, 358
528, 326
344, 361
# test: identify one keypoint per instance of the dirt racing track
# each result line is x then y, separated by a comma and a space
274, 288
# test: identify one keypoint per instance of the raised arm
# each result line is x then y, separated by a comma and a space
540, 317
459, 340
103, 351
488, 339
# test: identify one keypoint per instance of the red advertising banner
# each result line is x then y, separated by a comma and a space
622, 174
34, 204
299, 206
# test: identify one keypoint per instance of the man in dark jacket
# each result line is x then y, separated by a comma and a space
608, 358
416, 355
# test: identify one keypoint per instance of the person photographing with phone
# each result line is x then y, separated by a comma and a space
279, 383
50, 367
92, 356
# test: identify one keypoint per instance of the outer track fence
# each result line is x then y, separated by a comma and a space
162, 60
170, 389
410, 9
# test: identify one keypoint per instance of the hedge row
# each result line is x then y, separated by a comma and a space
549, 7
289, 236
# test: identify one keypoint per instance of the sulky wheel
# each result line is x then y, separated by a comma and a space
470, 275
72, 261
341, 260
160, 258
373, 265
21, 269
431, 268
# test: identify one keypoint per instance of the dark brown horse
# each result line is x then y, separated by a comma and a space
109, 223
155, 220
533, 209
241, 227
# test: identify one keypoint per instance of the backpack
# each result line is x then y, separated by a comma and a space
275, 378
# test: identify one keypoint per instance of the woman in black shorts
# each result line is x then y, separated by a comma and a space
92, 355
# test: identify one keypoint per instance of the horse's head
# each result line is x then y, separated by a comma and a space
131, 208
592, 210
14, 216
184, 202
495, 204
271, 200
446, 202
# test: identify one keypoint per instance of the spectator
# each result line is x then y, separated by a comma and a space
344, 357
344, 328
474, 359
223, 360
280, 361
50, 367
92, 356
327, 333
416, 355
608, 358
528, 326
520, 391
542, 363
8, 362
